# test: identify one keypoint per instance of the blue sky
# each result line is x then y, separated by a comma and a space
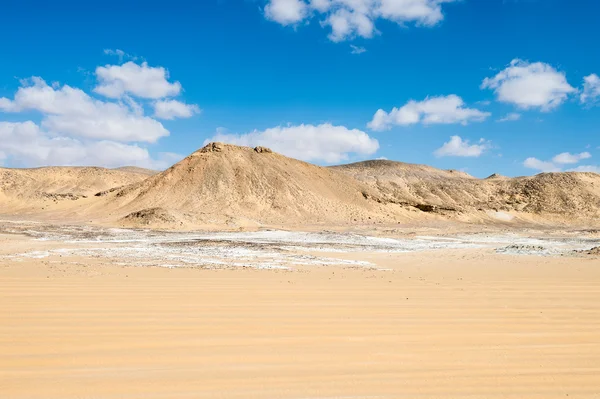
305, 78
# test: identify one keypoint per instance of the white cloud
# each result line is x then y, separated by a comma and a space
345, 24
26, 144
72, 112
434, 110
138, 80
357, 49
117, 52
286, 12
78, 129
7, 105
350, 18
591, 89
325, 142
586, 168
530, 85
544, 166
111, 122
457, 147
568, 158
564, 158
513, 116
120, 53
171, 109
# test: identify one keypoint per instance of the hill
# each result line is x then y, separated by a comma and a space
136, 169
35, 188
224, 185
569, 195
231, 185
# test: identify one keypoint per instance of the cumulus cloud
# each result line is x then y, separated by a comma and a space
345, 24
568, 158
171, 109
530, 85
457, 147
434, 110
350, 18
555, 165
544, 166
511, 117
27, 144
7, 105
138, 80
286, 12
591, 89
325, 142
70, 111
76, 128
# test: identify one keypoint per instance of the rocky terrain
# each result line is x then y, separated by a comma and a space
570, 194
231, 186
80, 181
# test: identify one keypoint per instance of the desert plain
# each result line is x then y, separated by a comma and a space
239, 273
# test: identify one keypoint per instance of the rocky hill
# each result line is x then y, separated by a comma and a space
224, 185
569, 195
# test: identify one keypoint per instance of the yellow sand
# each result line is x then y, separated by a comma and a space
452, 324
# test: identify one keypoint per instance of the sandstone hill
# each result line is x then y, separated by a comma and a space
569, 195
223, 185
231, 185
36, 187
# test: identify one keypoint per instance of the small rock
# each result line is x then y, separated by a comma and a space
213, 147
262, 150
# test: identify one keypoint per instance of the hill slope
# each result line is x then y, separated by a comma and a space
240, 185
34, 189
65, 180
224, 185
572, 195
137, 170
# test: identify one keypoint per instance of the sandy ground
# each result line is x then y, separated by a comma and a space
457, 322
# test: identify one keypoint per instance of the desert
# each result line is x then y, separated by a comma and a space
299, 199
377, 279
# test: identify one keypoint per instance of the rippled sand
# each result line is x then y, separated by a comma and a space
450, 323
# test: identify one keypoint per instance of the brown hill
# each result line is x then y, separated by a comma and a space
35, 188
572, 195
414, 184
226, 184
